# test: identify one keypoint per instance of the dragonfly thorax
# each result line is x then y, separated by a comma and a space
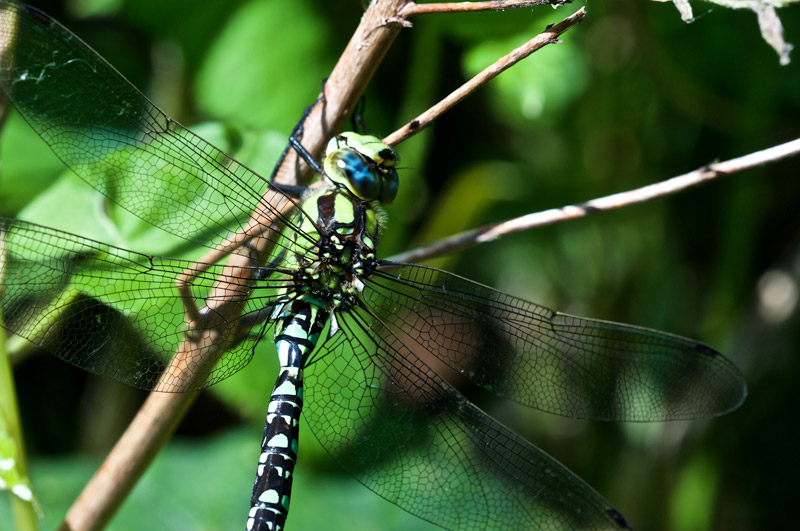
347, 231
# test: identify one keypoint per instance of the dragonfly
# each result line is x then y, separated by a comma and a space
357, 337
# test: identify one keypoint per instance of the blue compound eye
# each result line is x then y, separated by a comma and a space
364, 165
362, 178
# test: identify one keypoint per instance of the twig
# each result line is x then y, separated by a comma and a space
602, 204
413, 8
378, 28
548, 36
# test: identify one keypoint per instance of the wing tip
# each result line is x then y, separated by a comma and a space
706, 350
618, 518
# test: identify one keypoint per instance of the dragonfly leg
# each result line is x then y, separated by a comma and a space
292, 190
263, 273
357, 118
297, 133
305, 155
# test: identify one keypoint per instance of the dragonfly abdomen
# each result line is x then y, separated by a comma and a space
297, 330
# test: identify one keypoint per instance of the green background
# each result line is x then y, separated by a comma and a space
632, 96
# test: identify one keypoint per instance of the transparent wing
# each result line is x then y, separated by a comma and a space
118, 313
560, 363
410, 437
119, 142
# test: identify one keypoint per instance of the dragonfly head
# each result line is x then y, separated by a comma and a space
364, 165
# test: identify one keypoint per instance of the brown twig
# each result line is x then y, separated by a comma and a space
548, 36
602, 204
413, 8
378, 28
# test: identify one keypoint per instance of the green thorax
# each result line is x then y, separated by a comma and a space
343, 219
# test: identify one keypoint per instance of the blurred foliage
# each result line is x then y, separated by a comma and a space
631, 97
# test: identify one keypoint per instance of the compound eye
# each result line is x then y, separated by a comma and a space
390, 185
361, 177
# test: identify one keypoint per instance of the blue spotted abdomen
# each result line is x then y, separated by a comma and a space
297, 330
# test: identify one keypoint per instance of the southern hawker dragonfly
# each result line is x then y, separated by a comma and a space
355, 335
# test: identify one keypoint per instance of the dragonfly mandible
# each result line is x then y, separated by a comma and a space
353, 332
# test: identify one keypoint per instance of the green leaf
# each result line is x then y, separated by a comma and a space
545, 82
28, 165
253, 70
